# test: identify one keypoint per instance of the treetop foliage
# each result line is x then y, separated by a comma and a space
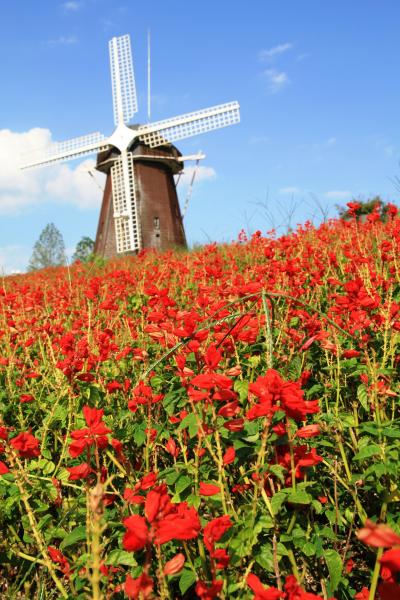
49, 250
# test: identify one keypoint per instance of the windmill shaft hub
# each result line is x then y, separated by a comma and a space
122, 137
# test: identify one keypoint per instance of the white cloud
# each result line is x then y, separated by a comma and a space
289, 190
22, 190
14, 258
203, 173
276, 80
271, 53
331, 141
63, 40
339, 195
71, 6
76, 186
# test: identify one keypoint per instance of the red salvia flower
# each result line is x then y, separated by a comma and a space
137, 535
26, 444
172, 448
81, 471
95, 433
295, 592
3, 468
175, 565
308, 431
363, 595
26, 398
58, 557
261, 592
221, 558
229, 456
276, 394
209, 489
391, 560
214, 530
378, 535
139, 588
164, 522
389, 590
205, 592
184, 524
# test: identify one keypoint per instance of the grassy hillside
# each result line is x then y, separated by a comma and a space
219, 423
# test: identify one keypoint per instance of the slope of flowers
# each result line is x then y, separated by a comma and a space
213, 424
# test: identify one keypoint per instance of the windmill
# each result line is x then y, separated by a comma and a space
140, 207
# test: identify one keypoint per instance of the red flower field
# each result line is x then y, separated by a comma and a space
220, 423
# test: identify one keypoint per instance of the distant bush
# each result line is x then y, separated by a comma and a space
360, 209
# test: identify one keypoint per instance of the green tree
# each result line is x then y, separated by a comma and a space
49, 250
84, 250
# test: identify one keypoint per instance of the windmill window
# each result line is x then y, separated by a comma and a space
157, 223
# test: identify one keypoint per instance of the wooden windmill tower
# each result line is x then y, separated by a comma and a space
140, 207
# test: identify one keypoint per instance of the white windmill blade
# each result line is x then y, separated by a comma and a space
126, 210
67, 150
122, 79
177, 128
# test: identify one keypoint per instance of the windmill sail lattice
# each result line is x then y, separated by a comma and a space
144, 209
67, 150
125, 206
122, 79
178, 128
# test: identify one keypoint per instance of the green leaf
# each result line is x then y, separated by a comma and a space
121, 557
62, 475
391, 432
182, 483
94, 394
377, 470
139, 436
190, 422
299, 497
367, 452
156, 381
44, 521
77, 535
265, 558
169, 402
186, 580
362, 396
308, 549
171, 477
277, 500
48, 467
193, 500
278, 471
265, 522
370, 427
335, 566
328, 533
242, 388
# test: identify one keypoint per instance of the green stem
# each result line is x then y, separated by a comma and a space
268, 333
293, 564
344, 458
375, 575
377, 567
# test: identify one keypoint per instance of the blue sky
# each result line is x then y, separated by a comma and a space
317, 83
